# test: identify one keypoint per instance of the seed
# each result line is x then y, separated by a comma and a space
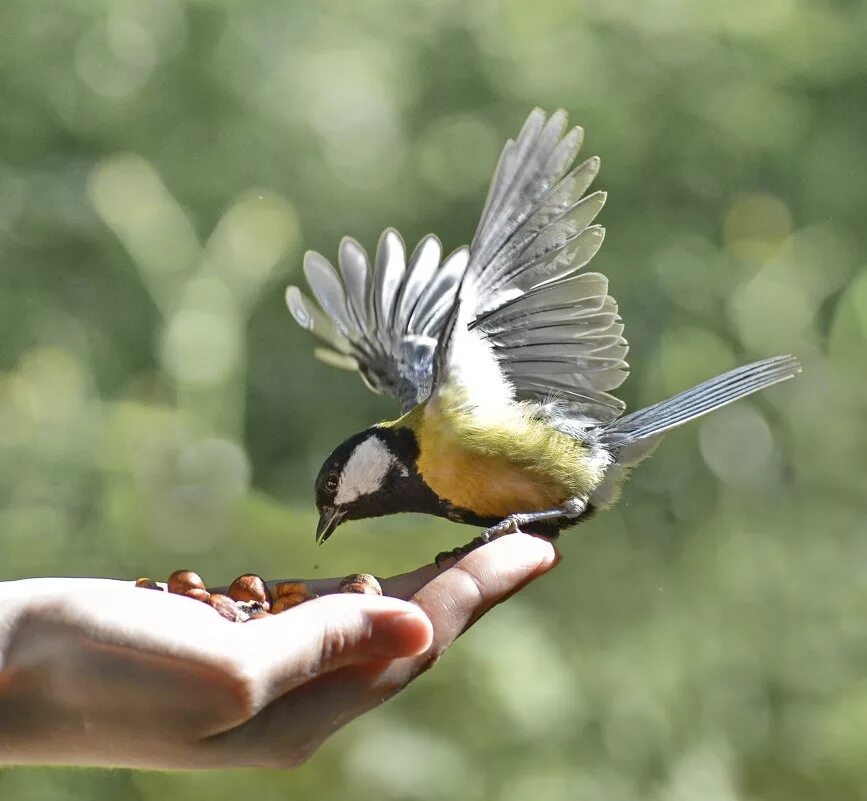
148, 584
182, 580
360, 583
290, 588
359, 588
226, 607
284, 602
250, 587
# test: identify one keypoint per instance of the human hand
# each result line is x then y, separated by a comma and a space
96, 672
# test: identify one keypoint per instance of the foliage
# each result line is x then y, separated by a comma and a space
163, 165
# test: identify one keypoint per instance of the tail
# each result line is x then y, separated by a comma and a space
699, 400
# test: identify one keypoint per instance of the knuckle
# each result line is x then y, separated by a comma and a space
243, 679
472, 581
339, 637
243, 689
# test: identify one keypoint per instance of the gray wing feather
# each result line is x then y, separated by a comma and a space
385, 323
328, 290
575, 253
563, 246
354, 269
421, 270
388, 277
554, 334
434, 307
311, 318
558, 202
514, 154
531, 166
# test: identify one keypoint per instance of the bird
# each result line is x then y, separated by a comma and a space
503, 357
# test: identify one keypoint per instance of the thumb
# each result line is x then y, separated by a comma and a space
345, 629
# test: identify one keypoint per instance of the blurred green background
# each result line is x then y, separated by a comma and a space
163, 166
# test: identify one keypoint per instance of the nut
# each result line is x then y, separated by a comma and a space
198, 594
148, 584
284, 602
226, 607
359, 588
182, 580
290, 588
250, 587
362, 583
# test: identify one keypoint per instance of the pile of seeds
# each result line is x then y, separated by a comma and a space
249, 597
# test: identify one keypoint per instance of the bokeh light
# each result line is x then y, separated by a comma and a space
164, 164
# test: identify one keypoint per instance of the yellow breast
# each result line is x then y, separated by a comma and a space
507, 463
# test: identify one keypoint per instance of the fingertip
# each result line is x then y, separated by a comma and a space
541, 548
400, 634
521, 551
384, 627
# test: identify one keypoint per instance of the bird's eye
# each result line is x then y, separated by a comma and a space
331, 482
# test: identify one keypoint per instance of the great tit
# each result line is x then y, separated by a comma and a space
502, 357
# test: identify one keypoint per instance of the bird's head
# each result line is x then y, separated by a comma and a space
370, 474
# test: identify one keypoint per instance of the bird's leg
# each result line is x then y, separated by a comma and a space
571, 509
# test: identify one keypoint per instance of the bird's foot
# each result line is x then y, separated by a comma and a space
509, 525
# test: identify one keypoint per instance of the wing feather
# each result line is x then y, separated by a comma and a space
388, 277
328, 291
436, 304
541, 327
513, 316
525, 182
354, 269
421, 270
551, 330
385, 323
310, 317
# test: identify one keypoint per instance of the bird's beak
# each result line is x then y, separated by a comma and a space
329, 520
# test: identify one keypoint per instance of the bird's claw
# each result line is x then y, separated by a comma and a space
457, 553
507, 526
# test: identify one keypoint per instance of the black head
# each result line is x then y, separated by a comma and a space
371, 474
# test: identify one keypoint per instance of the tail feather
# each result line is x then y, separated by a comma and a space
699, 400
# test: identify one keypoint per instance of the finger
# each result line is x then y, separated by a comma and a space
338, 630
482, 579
460, 595
404, 585
288, 730
454, 598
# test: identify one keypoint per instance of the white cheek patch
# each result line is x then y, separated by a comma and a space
364, 471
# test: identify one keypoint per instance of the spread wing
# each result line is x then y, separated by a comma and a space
527, 324
513, 317
385, 322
